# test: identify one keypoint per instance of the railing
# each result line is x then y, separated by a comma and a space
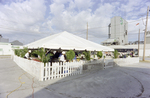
108, 63
93, 64
102, 63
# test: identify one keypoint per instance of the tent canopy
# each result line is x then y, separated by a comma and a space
67, 41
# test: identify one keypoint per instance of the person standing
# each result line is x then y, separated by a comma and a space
62, 60
62, 57
27, 55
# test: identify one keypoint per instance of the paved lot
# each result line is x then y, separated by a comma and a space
146, 58
127, 81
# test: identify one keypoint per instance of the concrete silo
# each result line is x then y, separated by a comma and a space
148, 37
119, 30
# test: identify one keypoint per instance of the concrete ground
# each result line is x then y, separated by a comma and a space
117, 82
146, 58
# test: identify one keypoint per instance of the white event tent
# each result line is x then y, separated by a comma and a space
67, 41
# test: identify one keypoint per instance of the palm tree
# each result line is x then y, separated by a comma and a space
116, 54
42, 54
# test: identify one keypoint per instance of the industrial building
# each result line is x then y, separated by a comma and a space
118, 38
148, 37
117, 32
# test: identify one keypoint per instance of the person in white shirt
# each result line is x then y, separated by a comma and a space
62, 57
27, 54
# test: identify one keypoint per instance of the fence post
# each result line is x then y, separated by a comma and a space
55, 71
63, 69
41, 72
52, 70
103, 64
70, 70
49, 66
45, 71
60, 69
81, 67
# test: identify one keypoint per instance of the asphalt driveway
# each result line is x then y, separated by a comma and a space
126, 81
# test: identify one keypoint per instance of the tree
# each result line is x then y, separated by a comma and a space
70, 55
99, 54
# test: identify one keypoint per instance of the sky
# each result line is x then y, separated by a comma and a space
31, 20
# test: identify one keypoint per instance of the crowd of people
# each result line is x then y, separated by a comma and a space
56, 56
125, 55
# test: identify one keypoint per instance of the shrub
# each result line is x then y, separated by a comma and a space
17, 52
87, 55
23, 51
104, 56
99, 54
115, 54
70, 55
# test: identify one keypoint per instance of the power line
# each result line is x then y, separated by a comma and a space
118, 35
115, 25
77, 32
84, 29
73, 33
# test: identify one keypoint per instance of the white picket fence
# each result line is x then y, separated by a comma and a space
59, 70
56, 70
49, 71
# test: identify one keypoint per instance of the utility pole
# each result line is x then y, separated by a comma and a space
87, 32
139, 43
145, 34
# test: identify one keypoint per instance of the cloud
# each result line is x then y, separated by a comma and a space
22, 15
21, 18
83, 5
44, 17
56, 9
134, 9
74, 19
